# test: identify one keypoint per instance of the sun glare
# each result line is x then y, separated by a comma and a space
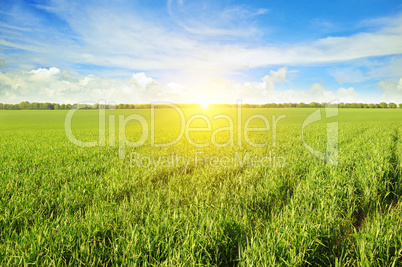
204, 105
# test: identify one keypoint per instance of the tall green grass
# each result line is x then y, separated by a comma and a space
65, 205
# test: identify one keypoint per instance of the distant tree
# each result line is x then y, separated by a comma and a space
50, 106
111, 106
23, 105
46, 106
34, 106
301, 105
391, 105
337, 105
383, 105
13, 107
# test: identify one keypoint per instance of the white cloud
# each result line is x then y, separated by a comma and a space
316, 93
227, 91
273, 77
54, 85
331, 49
174, 92
347, 95
175, 89
141, 79
126, 39
44, 74
392, 90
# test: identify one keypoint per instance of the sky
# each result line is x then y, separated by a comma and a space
185, 51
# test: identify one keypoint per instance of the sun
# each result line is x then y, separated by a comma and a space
203, 101
204, 105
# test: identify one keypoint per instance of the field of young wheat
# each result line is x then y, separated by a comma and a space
225, 201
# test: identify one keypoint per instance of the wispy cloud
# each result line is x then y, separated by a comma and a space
211, 19
4, 25
107, 37
192, 44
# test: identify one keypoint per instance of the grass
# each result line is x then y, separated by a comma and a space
66, 205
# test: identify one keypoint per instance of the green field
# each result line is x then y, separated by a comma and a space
181, 205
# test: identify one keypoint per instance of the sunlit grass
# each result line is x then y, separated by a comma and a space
61, 204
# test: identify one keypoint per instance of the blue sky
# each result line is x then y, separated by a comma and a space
201, 51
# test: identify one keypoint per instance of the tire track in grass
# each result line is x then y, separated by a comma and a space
393, 176
393, 179
378, 242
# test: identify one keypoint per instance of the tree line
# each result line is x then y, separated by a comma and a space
340, 105
54, 106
